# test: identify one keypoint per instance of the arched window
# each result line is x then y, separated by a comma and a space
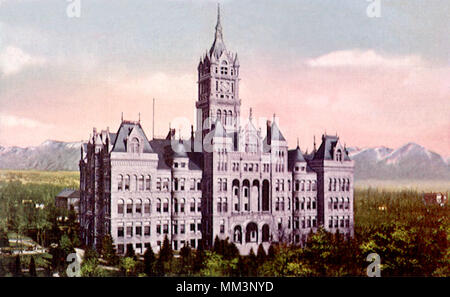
175, 205
120, 182
138, 206
303, 203
158, 205
129, 206
219, 204
330, 182
120, 206
339, 155
347, 203
166, 205
219, 115
348, 185
147, 183
147, 206
302, 185
330, 203
135, 145
334, 184
141, 183
336, 202
314, 203
297, 203
182, 203
127, 183
308, 204
309, 186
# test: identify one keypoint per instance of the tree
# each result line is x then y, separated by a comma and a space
166, 253
108, 251
130, 251
149, 261
32, 267
164, 262
186, 259
199, 258
271, 252
252, 263
18, 267
261, 255
128, 266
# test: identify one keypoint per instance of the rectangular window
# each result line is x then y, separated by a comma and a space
138, 208
129, 231
166, 228
147, 208
199, 207
182, 228
120, 232
158, 206
158, 229
166, 206
192, 184
146, 230
120, 248
147, 183
192, 227
120, 208
193, 243
138, 230
192, 207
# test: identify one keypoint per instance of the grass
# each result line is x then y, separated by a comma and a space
69, 179
402, 185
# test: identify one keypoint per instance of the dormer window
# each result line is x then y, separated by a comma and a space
339, 155
134, 145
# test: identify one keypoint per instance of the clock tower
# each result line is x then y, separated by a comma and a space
218, 87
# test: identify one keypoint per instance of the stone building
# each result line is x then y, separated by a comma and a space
230, 179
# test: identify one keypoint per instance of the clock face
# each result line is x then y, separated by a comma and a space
224, 86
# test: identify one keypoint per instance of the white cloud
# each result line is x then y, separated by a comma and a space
13, 121
360, 58
14, 59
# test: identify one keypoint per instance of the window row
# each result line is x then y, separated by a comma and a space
305, 185
305, 222
141, 183
162, 206
222, 205
337, 203
145, 230
305, 203
339, 184
140, 249
336, 222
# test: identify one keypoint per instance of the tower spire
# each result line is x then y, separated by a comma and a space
218, 25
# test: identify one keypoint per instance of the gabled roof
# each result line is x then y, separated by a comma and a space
275, 134
219, 130
68, 193
163, 148
125, 129
326, 149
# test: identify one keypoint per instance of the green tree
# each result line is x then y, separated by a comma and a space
149, 261
130, 251
261, 255
32, 267
186, 259
128, 265
108, 250
18, 267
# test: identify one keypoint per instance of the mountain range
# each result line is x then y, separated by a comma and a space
410, 161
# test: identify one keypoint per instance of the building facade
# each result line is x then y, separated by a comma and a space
231, 179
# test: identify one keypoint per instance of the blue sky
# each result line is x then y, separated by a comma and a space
144, 41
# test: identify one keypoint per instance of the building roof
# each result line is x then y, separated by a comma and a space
68, 193
164, 150
326, 149
218, 46
120, 139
